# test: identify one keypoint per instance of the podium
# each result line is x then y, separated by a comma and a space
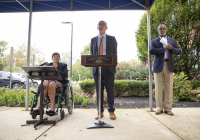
99, 61
41, 73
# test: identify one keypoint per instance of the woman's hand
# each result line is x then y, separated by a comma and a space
46, 83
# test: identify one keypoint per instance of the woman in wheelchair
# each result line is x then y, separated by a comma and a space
52, 85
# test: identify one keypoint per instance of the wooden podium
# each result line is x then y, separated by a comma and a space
99, 61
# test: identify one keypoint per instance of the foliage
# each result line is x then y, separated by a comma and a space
3, 48
195, 84
20, 57
77, 68
14, 97
88, 86
198, 96
134, 88
86, 50
75, 87
14, 69
182, 88
65, 58
142, 39
131, 71
81, 98
182, 19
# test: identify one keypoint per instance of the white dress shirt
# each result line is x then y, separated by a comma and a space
104, 42
163, 40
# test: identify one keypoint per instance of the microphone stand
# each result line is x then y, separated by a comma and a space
99, 123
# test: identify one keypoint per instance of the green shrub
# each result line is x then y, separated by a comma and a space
14, 97
2, 100
195, 84
11, 102
81, 98
75, 87
30, 99
134, 88
88, 86
21, 98
126, 71
198, 96
182, 88
85, 102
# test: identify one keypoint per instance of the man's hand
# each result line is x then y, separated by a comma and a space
168, 46
46, 83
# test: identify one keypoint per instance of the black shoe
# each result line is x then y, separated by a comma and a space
36, 112
50, 113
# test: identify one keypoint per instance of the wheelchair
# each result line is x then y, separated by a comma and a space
63, 98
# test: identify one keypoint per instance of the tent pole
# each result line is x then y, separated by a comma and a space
150, 67
28, 54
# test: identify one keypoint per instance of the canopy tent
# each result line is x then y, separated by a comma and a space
72, 5
77, 5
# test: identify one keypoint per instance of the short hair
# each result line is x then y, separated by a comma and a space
55, 53
102, 21
161, 25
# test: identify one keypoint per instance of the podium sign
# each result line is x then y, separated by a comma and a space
96, 60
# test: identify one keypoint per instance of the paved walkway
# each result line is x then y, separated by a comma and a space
131, 124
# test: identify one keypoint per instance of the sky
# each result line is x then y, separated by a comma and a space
50, 35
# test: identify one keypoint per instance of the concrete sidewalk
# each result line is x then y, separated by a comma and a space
131, 124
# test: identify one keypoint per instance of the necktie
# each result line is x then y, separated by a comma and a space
101, 47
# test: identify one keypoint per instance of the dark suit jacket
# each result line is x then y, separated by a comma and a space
111, 49
156, 49
62, 69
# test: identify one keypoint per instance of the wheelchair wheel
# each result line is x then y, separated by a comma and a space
34, 116
62, 114
70, 99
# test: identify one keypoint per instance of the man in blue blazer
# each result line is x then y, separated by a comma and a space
108, 47
163, 66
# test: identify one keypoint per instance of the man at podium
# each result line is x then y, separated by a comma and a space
104, 44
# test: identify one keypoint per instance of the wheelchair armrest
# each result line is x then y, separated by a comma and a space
66, 79
35, 93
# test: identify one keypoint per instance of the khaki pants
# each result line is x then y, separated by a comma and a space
168, 86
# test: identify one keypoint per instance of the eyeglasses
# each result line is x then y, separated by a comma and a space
162, 29
101, 24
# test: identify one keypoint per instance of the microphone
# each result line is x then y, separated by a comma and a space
45, 63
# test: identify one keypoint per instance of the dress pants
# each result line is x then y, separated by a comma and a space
107, 80
168, 88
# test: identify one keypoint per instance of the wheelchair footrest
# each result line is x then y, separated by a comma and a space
36, 112
51, 113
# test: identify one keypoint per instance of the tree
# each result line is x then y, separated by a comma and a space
77, 68
65, 58
182, 19
3, 48
20, 57
142, 39
86, 50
